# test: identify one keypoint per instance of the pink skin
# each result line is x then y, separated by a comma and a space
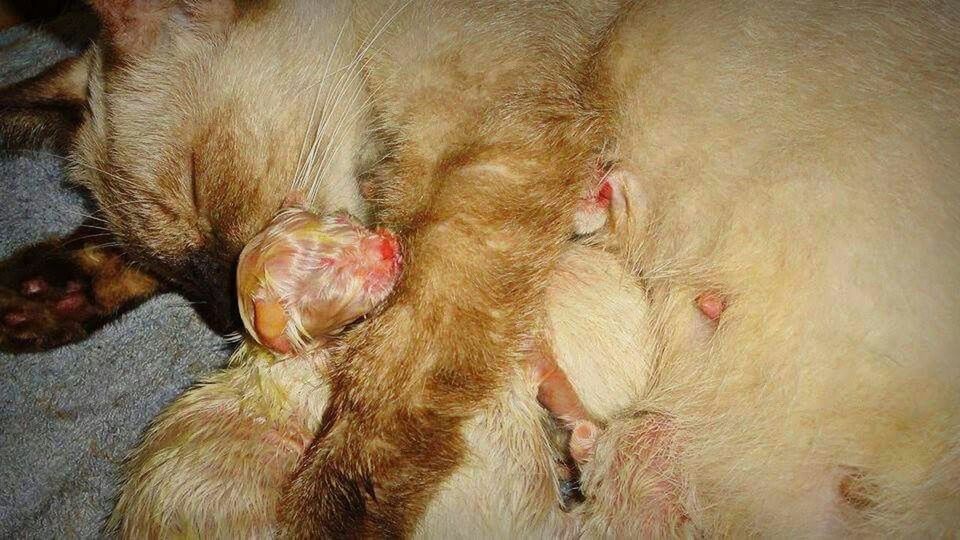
592, 212
557, 395
712, 305
34, 286
647, 451
323, 271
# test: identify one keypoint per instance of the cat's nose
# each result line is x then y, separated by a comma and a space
210, 281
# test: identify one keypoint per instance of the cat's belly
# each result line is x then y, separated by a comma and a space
819, 194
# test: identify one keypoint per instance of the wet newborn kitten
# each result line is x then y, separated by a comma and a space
213, 463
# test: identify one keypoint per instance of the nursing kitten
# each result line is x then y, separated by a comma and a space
214, 463
791, 174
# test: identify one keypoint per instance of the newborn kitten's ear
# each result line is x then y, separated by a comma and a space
47, 109
602, 195
613, 198
134, 26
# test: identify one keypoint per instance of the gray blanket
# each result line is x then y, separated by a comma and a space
69, 416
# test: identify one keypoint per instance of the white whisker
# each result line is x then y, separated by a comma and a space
316, 101
348, 76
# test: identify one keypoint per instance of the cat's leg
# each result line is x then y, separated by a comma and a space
58, 291
212, 465
634, 485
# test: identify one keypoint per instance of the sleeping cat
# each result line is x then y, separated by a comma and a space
806, 377
198, 120
821, 167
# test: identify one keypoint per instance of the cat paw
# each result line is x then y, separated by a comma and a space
59, 291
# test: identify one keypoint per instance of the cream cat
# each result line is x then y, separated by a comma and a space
791, 174
791, 201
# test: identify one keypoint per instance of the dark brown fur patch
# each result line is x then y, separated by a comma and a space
854, 489
58, 291
47, 109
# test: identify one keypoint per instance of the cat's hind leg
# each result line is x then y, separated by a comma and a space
212, 465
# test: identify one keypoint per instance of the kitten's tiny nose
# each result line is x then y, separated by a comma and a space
389, 246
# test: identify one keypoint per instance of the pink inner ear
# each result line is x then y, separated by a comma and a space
605, 195
133, 26
130, 25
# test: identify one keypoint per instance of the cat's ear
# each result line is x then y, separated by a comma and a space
133, 26
47, 109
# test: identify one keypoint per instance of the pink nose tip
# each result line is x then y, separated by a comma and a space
605, 195
388, 245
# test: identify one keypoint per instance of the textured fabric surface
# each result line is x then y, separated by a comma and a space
69, 416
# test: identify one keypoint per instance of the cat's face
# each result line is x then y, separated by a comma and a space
201, 120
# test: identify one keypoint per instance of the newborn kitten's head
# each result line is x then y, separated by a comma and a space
305, 277
201, 116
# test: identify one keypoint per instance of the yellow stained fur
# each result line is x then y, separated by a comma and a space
211, 465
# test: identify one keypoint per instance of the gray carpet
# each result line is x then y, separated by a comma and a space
69, 416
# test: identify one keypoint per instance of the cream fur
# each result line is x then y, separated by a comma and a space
804, 160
